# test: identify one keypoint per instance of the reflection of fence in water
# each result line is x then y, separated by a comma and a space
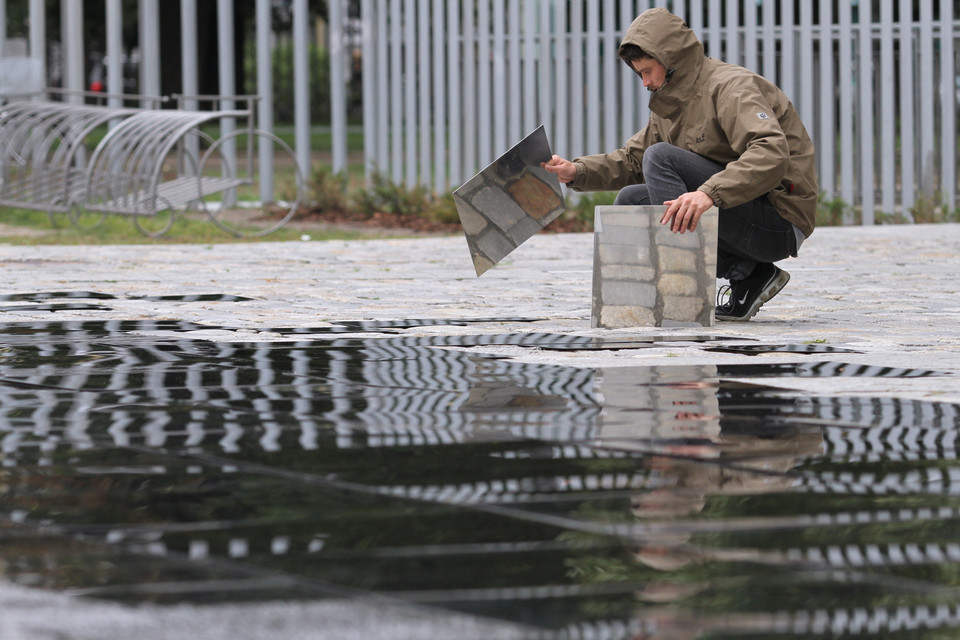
82, 388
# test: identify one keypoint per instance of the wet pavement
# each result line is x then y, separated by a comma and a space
362, 439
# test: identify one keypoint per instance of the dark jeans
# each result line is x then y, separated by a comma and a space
749, 234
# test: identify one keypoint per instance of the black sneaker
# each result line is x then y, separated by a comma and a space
748, 295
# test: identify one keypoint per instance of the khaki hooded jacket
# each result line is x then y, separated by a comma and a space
722, 112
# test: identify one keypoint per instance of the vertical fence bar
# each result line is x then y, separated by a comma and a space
788, 58
396, 91
368, 61
926, 96
806, 66
424, 78
530, 66
38, 35
439, 101
265, 91
454, 72
384, 108
609, 45
561, 100
149, 27
469, 84
848, 180
500, 118
696, 19
714, 26
867, 136
515, 61
733, 32
888, 114
301, 87
547, 67
410, 90
628, 79
227, 80
750, 37
948, 108
72, 34
593, 74
828, 145
115, 53
188, 70
484, 87
577, 70
907, 90
769, 66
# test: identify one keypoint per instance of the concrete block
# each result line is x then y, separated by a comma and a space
646, 275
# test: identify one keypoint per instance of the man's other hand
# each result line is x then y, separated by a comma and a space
683, 214
566, 171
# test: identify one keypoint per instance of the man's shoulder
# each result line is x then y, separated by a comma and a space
721, 72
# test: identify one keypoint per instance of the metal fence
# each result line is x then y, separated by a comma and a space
449, 85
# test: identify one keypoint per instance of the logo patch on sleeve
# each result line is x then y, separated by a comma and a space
762, 115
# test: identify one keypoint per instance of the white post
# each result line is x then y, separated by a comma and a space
225, 67
592, 42
410, 89
827, 148
114, 58
38, 35
867, 137
149, 24
559, 137
72, 34
301, 84
948, 107
338, 88
907, 91
611, 66
378, 158
927, 97
424, 74
189, 61
484, 94
888, 120
265, 91
439, 101
395, 95
848, 176
454, 71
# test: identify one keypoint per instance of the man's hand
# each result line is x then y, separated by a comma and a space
683, 214
566, 171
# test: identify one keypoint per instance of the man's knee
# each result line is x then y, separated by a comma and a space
657, 154
635, 194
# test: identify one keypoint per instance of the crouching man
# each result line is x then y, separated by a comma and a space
718, 134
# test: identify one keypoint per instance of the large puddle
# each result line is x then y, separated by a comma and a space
140, 465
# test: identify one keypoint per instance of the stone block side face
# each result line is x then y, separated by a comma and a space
645, 275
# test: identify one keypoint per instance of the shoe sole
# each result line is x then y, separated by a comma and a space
773, 288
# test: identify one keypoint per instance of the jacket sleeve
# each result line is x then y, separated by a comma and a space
755, 136
615, 170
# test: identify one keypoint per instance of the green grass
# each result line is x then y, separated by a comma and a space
189, 229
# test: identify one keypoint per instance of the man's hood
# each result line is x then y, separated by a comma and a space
674, 45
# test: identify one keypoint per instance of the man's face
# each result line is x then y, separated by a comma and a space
652, 73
